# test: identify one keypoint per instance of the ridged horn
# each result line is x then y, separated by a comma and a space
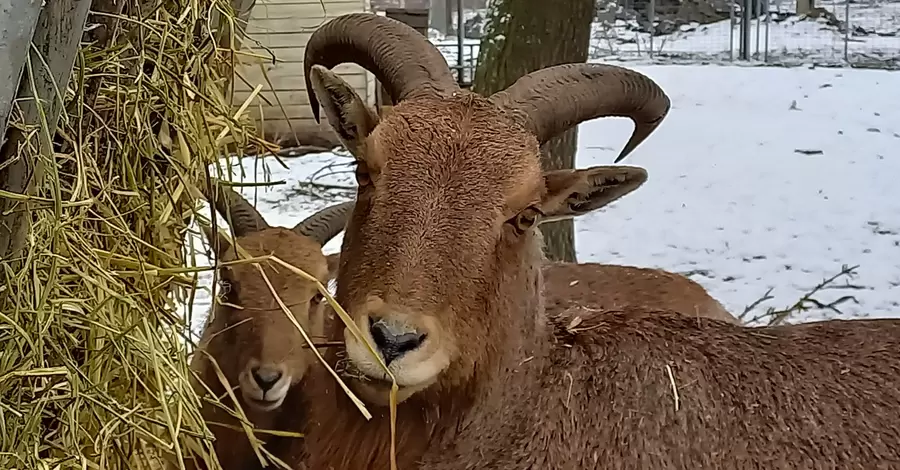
229, 203
327, 223
558, 98
403, 60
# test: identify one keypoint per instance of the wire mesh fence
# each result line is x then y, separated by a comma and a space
854, 32
858, 33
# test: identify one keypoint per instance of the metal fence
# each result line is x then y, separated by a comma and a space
451, 48
858, 33
862, 33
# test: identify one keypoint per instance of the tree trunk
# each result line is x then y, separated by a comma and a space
437, 15
448, 15
522, 36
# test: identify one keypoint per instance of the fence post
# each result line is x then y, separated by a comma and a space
758, 12
242, 9
651, 15
731, 31
745, 29
460, 41
57, 35
847, 33
18, 19
768, 25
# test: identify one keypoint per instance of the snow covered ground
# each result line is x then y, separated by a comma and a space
729, 201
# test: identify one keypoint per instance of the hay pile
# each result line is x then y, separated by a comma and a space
93, 364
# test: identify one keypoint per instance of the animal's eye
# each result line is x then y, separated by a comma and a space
362, 174
526, 219
317, 299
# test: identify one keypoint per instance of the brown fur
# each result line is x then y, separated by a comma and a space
442, 241
767, 398
234, 336
598, 286
594, 287
607, 287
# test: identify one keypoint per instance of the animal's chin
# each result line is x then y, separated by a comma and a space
377, 391
263, 401
360, 365
373, 388
263, 405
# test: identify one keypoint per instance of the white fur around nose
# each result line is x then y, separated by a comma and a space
256, 397
415, 369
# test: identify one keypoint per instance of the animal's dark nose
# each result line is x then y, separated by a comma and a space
393, 343
266, 377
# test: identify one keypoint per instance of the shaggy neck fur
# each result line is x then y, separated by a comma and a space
339, 437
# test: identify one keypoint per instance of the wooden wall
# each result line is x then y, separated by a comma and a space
284, 27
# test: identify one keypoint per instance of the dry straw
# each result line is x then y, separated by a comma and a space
94, 359
93, 365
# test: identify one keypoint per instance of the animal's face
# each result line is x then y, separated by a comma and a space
439, 266
255, 341
447, 193
450, 195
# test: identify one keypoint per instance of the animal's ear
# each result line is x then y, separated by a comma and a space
212, 236
334, 261
571, 193
351, 119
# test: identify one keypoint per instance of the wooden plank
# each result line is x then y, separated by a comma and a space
274, 112
283, 85
294, 69
56, 39
18, 19
283, 54
312, 14
244, 10
286, 97
274, 128
294, 24
297, 98
296, 39
268, 97
289, 77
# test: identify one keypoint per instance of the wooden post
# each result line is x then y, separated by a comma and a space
417, 18
57, 35
242, 10
18, 19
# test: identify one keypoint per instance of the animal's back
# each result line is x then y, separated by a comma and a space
611, 287
656, 390
785, 397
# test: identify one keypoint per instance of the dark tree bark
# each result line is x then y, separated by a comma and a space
527, 35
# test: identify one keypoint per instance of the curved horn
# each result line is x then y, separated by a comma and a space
555, 99
327, 223
244, 217
403, 60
